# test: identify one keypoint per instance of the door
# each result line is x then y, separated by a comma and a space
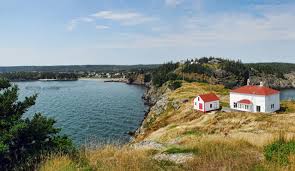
258, 108
200, 106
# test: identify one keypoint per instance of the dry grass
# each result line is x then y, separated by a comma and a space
112, 158
224, 155
59, 163
209, 154
191, 90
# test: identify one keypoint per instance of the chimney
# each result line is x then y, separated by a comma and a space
261, 84
248, 81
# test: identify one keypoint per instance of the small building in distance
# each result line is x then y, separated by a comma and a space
253, 98
206, 102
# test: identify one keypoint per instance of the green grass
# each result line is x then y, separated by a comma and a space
279, 151
172, 126
287, 107
224, 104
175, 150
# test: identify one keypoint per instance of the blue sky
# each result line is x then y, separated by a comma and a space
64, 32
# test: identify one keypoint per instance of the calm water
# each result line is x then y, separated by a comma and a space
288, 94
89, 110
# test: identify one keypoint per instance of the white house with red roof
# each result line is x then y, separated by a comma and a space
206, 102
252, 98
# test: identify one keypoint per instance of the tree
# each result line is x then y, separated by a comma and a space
23, 142
160, 75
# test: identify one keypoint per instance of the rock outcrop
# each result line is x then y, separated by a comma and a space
288, 80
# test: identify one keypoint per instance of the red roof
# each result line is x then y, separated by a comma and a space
209, 97
257, 90
245, 101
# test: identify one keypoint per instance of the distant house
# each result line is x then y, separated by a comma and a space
206, 102
252, 98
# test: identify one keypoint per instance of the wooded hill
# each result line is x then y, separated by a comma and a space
227, 72
77, 68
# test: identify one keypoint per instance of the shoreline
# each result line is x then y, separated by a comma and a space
89, 79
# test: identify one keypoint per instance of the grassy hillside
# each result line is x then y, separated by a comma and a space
175, 137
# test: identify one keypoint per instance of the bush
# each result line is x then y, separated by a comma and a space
175, 85
175, 150
279, 151
147, 78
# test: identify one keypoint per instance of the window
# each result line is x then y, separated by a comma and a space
198, 98
272, 106
258, 108
235, 105
210, 105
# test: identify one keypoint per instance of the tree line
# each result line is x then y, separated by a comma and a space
31, 76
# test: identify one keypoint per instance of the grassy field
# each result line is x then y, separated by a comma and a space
213, 141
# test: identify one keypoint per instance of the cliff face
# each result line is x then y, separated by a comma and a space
288, 80
138, 79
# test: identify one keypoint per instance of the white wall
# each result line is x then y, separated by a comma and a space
215, 105
272, 99
196, 103
258, 100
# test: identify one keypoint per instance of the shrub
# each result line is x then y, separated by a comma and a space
147, 77
279, 151
175, 85
175, 150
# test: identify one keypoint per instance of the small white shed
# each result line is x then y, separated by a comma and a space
206, 102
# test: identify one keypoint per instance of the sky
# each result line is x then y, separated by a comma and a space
66, 32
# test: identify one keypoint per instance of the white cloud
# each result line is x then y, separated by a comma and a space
101, 27
220, 29
86, 19
74, 22
126, 18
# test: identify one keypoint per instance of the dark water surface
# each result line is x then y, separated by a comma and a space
288, 94
89, 109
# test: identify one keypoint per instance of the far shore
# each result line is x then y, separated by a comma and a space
102, 79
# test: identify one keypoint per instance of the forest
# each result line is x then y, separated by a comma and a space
33, 76
228, 72
77, 68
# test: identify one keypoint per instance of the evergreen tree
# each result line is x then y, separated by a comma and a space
23, 142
